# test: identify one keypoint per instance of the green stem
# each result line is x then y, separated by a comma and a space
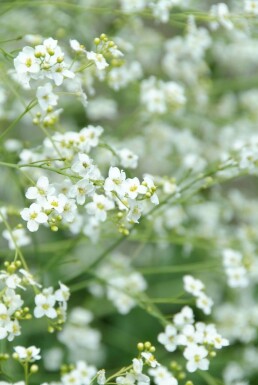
32, 104
15, 243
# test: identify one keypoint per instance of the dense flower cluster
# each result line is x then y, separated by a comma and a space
138, 150
198, 339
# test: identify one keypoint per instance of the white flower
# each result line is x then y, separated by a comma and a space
237, 277
99, 207
137, 369
115, 181
101, 378
204, 303
71, 378
12, 281
76, 46
129, 379
127, 158
29, 354
196, 357
174, 94
162, 376
192, 285
231, 258
12, 300
135, 211
58, 73
133, 188
98, 59
184, 317
70, 210
34, 216
45, 306
46, 97
150, 359
83, 166
51, 46
81, 190
57, 202
213, 338
86, 372
89, 137
62, 294
26, 61
41, 190
251, 6
169, 338
148, 182
189, 336
14, 329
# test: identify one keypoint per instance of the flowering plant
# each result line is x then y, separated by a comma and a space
128, 158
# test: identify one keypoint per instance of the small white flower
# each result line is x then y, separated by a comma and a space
204, 303
26, 62
62, 294
135, 211
41, 190
29, 354
189, 336
98, 59
251, 6
127, 158
237, 277
99, 207
81, 190
34, 216
150, 359
129, 379
115, 181
184, 317
162, 376
45, 306
196, 357
76, 46
133, 188
89, 137
83, 166
14, 329
101, 378
169, 338
57, 202
192, 285
148, 182
46, 97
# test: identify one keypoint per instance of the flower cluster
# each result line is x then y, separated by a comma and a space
82, 373
12, 304
12, 309
52, 304
123, 285
198, 339
59, 204
45, 60
79, 337
158, 96
160, 8
235, 268
196, 288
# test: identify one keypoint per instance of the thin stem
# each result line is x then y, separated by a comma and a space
15, 243
13, 124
